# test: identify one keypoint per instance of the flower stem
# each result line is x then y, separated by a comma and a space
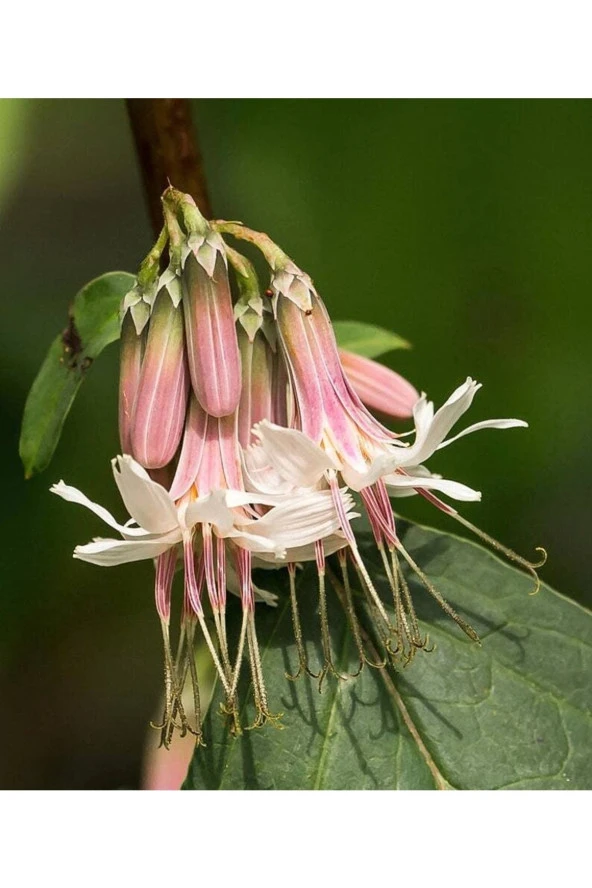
168, 152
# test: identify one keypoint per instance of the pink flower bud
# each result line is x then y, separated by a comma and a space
212, 346
161, 399
132, 346
378, 387
257, 393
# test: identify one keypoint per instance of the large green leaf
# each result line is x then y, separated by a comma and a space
93, 324
367, 339
514, 712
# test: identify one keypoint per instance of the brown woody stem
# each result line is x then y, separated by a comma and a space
168, 152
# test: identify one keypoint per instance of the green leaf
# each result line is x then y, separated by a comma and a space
366, 339
514, 712
93, 324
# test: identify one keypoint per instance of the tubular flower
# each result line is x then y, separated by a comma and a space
332, 439
199, 258
154, 380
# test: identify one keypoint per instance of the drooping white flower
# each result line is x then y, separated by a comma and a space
431, 430
201, 527
157, 523
392, 466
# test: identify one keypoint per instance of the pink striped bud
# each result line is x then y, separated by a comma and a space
132, 347
378, 387
212, 346
161, 398
257, 390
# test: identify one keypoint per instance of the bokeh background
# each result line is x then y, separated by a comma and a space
465, 226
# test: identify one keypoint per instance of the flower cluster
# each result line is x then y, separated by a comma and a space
245, 432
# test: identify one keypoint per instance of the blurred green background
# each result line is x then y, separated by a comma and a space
465, 226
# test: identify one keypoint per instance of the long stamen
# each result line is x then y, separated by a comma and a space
259, 692
240, 653
381, 516
169, 729
328, 665
383, 626
243, 566
355, 626
468, 630
221, 581
215, 600
380, 513
172, 701
530, 566
414, 637
165, 570
184, 663
302, 655
400, 616
353, 546
193, 597
190, 655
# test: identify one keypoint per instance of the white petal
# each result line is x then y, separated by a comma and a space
487, 424
377, 468
235, 498
72, 495
211, 509
108, 553
451, 488
270, 598
331, 544
431, 432
260, 475
255, 542
303, 520
293, 454
147, 502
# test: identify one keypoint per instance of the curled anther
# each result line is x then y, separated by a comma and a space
229, 709
265, 717
303, 668
329, 669
357, 671
380, 664
393, 652
543, 560
534, 566
530, 567
409, 656
426, 646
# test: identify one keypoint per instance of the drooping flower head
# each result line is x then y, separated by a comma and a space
242, 427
